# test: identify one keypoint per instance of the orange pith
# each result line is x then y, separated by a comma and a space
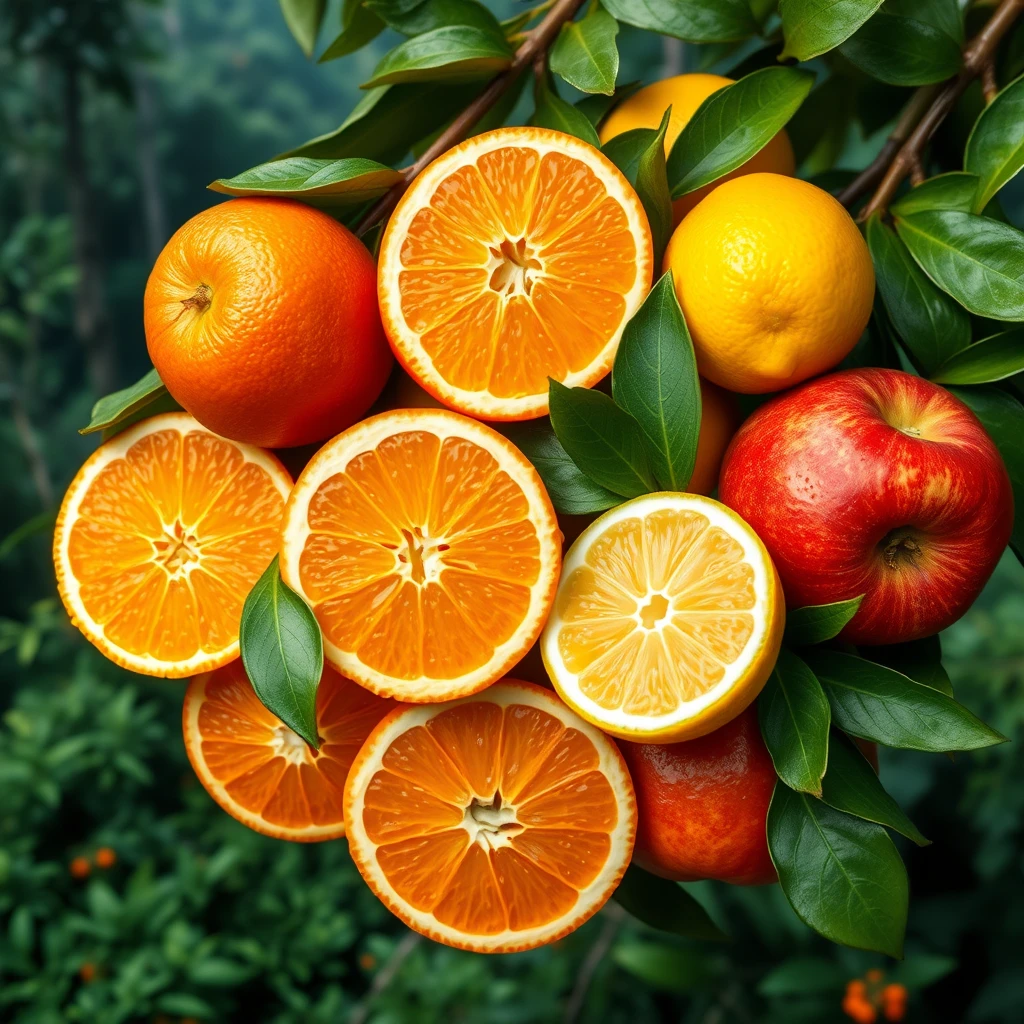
494, 823
427, 548
517, 256
260, 771
160, 538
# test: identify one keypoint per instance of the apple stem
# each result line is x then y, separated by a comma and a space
904, 549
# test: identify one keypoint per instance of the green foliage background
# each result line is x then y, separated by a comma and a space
201, 918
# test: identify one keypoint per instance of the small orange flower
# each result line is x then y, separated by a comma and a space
859, 1009
856, 988
105, 857
79, 867
87, 972
874, 975
894, 1002
367, 961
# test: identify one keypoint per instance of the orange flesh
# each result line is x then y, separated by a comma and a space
658, 611
266, 768
420, 556
170, 539
516, 271
489, 818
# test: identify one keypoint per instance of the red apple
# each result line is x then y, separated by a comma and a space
879, 483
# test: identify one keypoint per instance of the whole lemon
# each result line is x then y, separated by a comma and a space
684, 94
775, 281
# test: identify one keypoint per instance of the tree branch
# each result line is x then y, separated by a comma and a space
613, 916
536, 42
361, 1011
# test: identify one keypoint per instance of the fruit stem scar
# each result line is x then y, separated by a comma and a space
199, 300
898, 546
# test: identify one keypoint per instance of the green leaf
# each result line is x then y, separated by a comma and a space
813, 27
282, 651
851, 785
303, 19
655, 380
816, 623
841, 875
570, 490
880, 704
932, 325
455, 53
597, 106
551, 111
331, 182
665, 905
585, 54
358, 26
668, 967
995, 147
732, 124
994, 358
919, 659
603, 440
954, 190
903, 50
427, 15
113, 408
977, 260
941, 14
696, 21
182, 1004
803, 975
917, 972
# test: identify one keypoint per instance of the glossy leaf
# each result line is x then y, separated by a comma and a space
455, 53
990, 359
585, 54
672, 968
880, 704
945, 15
851, 785
977, 260
665, 905
842, 875
603, 440
794, 715
359, 25
119, 405
995, 148
954, 190
696, 21
427, 15
732, 124
303, 18
337, 182
282, 651
919, 659
551, 111
816, 623
932, 325
570, 490
813, 27
902, 50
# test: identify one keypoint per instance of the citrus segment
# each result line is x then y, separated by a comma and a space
427, 547
160, 537
495, 823
517, 256
260, 771
668, 619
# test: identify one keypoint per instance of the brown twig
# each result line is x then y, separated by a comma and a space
976, 56
916, 170
989, 85
536, 42
613, 916
361, 1011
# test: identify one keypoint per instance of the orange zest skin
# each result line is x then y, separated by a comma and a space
160, 537
495, 823
517, 256
261, 772
428, 550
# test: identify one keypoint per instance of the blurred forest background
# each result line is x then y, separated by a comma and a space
114, 115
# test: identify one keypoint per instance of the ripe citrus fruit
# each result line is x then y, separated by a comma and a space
428, 549
159, 539
517, 256
260, 771
702, 805
684, 94
261, 318
668, 619
775, 281
494, 823
719, 420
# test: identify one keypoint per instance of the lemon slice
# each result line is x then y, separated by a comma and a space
668, 619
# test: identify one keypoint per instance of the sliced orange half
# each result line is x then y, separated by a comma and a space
495, 823
260, 771
668, 619
428, 549
160, 538
517, 256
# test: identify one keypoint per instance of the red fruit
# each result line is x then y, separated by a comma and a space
879, 483
702, 805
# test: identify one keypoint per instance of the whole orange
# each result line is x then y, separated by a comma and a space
702, 804
261, 318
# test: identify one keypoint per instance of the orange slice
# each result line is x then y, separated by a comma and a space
668, 619
517, 256
495, 823
428, 549
159, 539
260, 771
